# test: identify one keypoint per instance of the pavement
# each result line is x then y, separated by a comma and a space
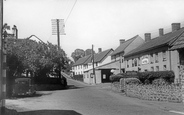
175, 108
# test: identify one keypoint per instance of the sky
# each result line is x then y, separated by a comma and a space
99, 22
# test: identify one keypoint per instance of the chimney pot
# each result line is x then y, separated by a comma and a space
161, 32
99, 50
147, 37
175, 26
121, 41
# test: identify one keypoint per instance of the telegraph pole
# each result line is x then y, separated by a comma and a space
57, 29
58, 33
93, 65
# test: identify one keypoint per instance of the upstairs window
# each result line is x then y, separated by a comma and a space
152, 68
164, 56
156, 58
127, 64
139, 61
122, 61
133, 62
151, 59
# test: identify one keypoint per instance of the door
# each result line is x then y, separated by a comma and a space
105, 76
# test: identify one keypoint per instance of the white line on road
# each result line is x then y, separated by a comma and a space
177, 112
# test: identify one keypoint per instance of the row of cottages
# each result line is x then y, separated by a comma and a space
105, 62
158, 54
84, 66
165, 52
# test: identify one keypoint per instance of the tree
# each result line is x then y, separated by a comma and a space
37, 57
78, 53
88, 52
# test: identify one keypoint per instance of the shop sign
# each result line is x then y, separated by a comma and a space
145, 59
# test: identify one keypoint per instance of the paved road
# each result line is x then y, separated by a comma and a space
83, 99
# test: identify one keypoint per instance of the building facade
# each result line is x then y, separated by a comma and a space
124, 48
101, 58
155, 54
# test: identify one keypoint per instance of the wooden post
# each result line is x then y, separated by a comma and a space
2, 100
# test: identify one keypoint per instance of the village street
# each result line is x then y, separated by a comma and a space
83, 99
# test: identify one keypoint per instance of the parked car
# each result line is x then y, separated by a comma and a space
64, 81
23, 86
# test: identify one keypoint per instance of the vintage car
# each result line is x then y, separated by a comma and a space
23, 86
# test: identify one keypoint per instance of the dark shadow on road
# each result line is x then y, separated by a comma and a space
50, 112
29, 96
73, 87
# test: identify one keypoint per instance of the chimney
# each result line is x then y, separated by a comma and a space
175, 26
121, 41
99, 50
147, 37
161, 32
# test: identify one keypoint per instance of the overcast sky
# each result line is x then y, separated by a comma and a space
98, 22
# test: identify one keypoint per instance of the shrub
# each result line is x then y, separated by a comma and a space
148, 77
115, 78
128, 74
160, 81
132, 81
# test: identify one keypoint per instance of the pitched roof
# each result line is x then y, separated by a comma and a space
179, 43
166, 39
82, 60
123, 46
99, 56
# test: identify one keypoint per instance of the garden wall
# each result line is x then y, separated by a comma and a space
170, 93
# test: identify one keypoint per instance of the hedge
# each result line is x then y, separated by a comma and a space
145, 77
148, 77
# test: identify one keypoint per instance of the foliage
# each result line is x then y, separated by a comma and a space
148, 77
78, 53
132, 81
129, 74
159, 81
145, 77
37, 57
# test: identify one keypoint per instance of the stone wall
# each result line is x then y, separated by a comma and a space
170, 93
181, 76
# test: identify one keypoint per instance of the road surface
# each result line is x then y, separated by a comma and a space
83, 99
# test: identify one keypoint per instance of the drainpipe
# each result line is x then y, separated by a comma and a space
170, 59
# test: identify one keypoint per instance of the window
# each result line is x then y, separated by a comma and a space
133, 62
113, 57
164, 56
122, 61
139, 61
152, 68
96, 64
157, 68
151, 58
127, 64
156, 58
164, 67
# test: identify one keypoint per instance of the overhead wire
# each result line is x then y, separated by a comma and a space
71, 11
